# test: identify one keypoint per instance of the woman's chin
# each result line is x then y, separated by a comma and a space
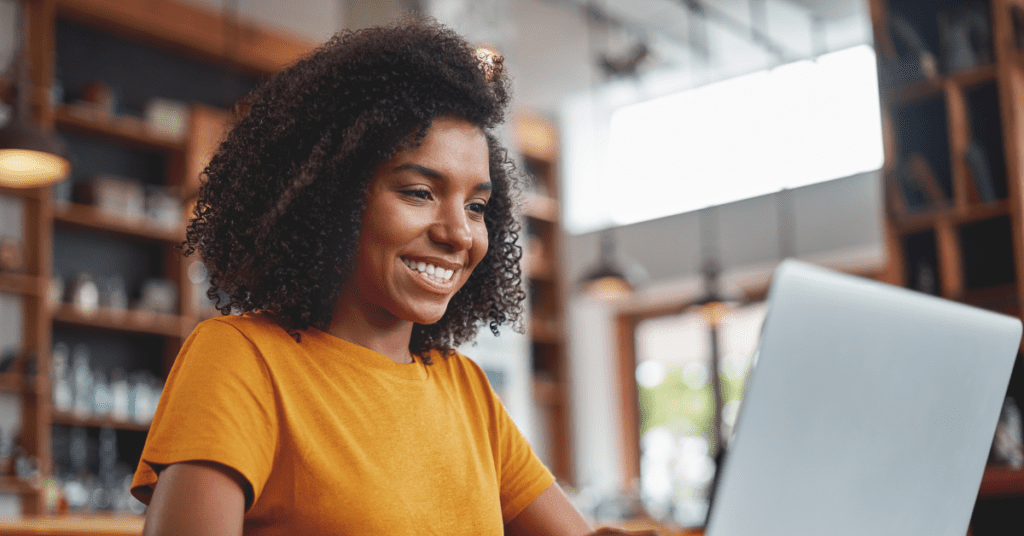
427, 317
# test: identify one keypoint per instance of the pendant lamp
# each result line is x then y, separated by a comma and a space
29, 158
610, 278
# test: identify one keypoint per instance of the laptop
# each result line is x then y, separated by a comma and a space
870, 410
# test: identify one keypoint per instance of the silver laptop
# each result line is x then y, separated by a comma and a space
870, 410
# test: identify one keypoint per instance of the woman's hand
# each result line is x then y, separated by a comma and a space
551, 514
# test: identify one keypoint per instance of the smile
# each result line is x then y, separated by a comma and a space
429, 271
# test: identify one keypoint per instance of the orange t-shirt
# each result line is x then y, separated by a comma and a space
335, 438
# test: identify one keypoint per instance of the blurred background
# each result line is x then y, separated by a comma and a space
677, 151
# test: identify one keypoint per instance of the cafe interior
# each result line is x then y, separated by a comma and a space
674, 153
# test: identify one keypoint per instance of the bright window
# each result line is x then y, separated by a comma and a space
798, 124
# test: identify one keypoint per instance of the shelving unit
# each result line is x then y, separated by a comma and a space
948, 234
127, 130
537, 142
175, 35
79, 216
70, 419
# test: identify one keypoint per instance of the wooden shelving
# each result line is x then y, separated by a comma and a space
541, 207
1000, 298
14, 485
13, 382
126, 321
917, 90
547, 392
70, 419
73, 525
127, 130
983, 74
23, 193
115, 34
932, 87
537, 141
22, 284
910, 223
539, 267
546, 330
1002, 482
74, 215
944, 239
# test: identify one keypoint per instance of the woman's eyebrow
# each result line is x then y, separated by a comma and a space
436, 175
422, 170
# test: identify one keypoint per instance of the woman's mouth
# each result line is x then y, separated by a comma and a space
429, 271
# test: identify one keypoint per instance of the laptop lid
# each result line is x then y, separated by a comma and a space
870, 410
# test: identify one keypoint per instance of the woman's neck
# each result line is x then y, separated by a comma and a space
382, 333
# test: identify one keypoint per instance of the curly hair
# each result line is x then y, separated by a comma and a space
279, 211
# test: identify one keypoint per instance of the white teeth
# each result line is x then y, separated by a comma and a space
430, 271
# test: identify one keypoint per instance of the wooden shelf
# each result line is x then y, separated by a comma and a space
13, 382
75, 215
541, 207
7, 93
70, 419
932, 87
21, 284
94, 525
539, 267
548, 392
1001, 482
1000, 298
193, 31
911, 223
545, 330
126, 130
124, 321
13, 485
25, 193
929, 87
977, 76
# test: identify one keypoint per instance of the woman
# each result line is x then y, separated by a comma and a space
360, 217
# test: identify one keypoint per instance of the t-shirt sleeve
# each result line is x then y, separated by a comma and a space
522, 475
218, 405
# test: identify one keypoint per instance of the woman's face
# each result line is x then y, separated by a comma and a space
423, 230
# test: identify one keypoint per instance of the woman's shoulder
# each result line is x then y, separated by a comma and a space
463, 368
247, 324
257, 332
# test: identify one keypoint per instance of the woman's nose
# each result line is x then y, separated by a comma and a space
452, 228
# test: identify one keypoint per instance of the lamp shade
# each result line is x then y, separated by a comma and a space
607, 282
610, 278
29, 158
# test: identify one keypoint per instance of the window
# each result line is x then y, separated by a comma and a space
798, 124
676, 404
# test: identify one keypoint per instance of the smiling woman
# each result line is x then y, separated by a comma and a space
423, 233
357, 223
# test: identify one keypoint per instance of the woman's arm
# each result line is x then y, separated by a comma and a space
197, 499
551, 514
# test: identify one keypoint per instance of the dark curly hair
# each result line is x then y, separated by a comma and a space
280, 208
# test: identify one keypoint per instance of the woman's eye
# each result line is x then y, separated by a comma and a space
418, 193
478, 208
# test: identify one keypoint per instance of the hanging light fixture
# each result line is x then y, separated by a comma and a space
29, 158
609, 278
